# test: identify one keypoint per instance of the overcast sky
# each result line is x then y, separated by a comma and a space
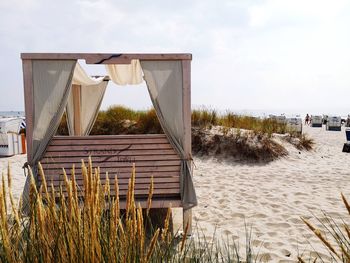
263, 54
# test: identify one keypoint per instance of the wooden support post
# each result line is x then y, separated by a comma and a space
76, 92
186, 96
29, 104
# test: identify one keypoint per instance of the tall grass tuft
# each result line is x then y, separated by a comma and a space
87, 225
335, 236
123, 120
61, 227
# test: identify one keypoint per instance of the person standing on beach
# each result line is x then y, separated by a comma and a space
307, 119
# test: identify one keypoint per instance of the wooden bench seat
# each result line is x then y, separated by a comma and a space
152, 154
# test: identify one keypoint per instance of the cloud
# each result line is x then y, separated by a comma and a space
246, 54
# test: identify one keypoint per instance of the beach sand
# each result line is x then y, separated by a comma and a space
270, 197
18, 177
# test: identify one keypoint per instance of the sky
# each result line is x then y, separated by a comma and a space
247, 55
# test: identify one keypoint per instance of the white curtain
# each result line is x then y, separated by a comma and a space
164, 82
51, 86
90, 94
126, 74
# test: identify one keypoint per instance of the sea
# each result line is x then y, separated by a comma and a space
5, 114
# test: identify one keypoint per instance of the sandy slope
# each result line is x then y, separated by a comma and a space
272, 197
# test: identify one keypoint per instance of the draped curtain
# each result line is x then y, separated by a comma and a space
91, 92
164, 83
126, 74
51, 86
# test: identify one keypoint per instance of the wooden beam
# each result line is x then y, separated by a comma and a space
29, 104
76, 92
105, 58
186, 100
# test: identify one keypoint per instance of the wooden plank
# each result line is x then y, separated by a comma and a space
125, 180
124, 185
161, 203
54, 170
28, 102
186, 86
126, 153
76, 92
106, 58
78, 176
124, 136
138, 165
157, 202
108, 147
110, 141
126, 175
97, 159
116, 170
141, 192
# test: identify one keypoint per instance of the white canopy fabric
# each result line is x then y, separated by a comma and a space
90, 92
126, 74
164, 83
80, 77
51, 86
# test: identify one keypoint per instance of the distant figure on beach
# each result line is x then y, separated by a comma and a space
307, 119
347, 124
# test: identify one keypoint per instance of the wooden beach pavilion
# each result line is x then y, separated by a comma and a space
55, 83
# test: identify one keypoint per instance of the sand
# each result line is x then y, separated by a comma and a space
17, 172
273, 197
270, 197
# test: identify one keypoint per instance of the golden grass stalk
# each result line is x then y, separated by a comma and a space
165, 230
345, 203
150, 195
152, 245
184, 238
345, 252
59, 228
318, 233
4, 191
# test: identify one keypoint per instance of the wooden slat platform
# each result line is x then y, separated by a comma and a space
152, 154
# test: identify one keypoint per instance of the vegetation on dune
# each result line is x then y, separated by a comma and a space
245, 146
234, 141
120, 120
207, 118
302, 142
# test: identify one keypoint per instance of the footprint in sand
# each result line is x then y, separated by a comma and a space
286, 252
295, 220
257, 243
239, 215
272, 234
222, 201
268, 245
281, 225
259, 216
227, 232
